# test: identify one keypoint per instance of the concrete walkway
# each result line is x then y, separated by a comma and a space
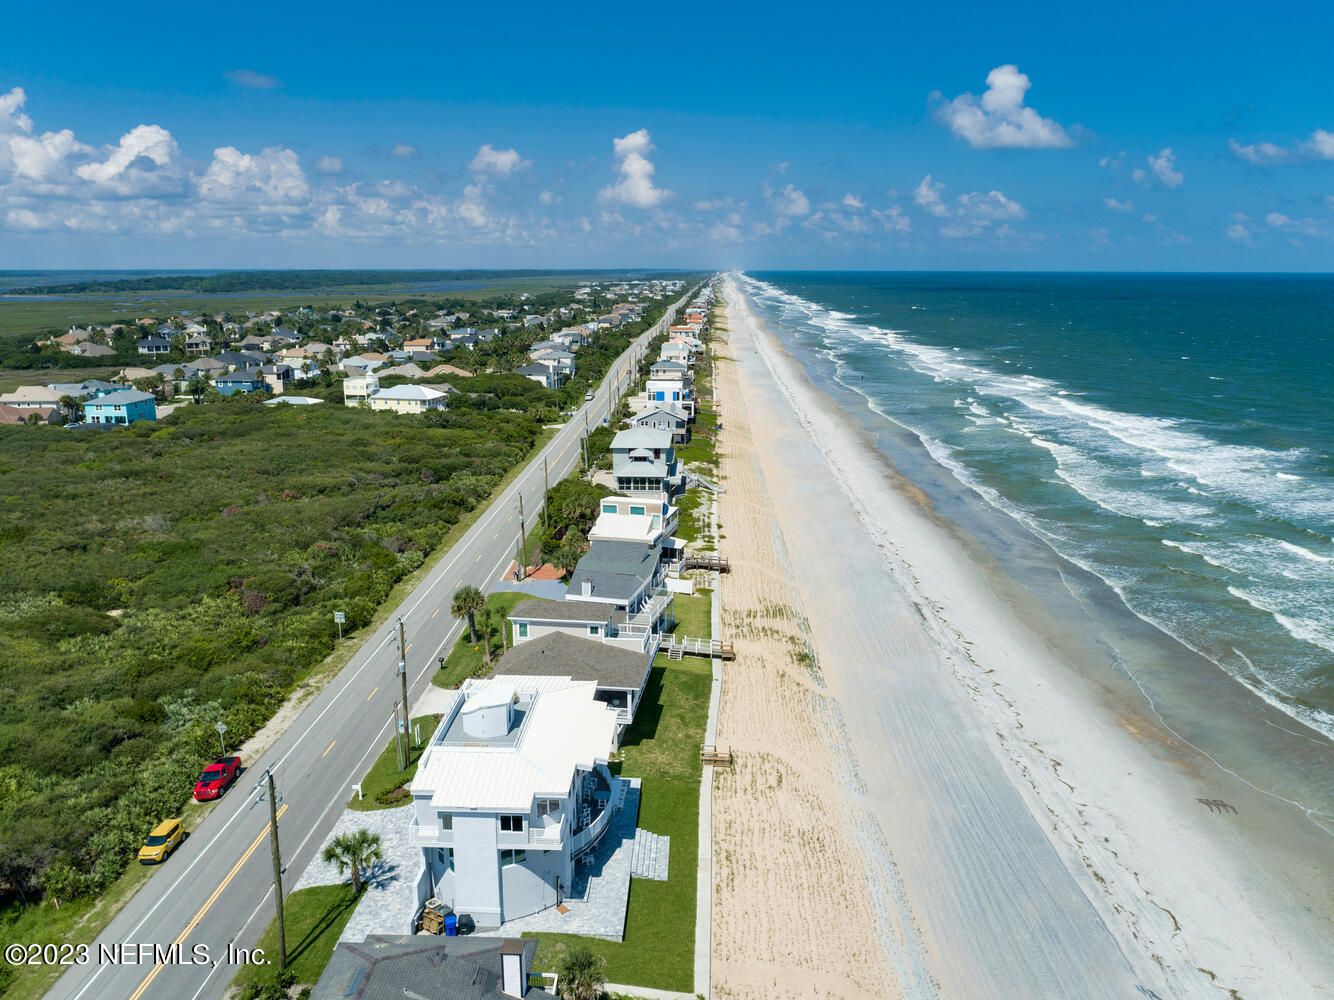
704, 880
390, 901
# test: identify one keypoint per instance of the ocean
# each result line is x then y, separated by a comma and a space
1169, 434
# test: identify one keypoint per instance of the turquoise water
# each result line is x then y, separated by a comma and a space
1168, 433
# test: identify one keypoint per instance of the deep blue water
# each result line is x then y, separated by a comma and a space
1169, 433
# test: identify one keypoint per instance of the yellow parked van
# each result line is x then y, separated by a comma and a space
164, 839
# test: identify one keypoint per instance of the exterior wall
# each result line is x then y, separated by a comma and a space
98, 413
537, 630
531, 886
667, 390
477, 868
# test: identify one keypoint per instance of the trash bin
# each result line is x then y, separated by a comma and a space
451, 925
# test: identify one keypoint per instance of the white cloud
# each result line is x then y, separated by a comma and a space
1240, 233
927, 194
1320, 145
249, 78
999, 119
1301, 227
789, 201
471, 208
1113, 205
548, 198
1258, 153
893, 219
12, 118
852, 201
329, 165
126, 169
404, 150
498, 161
971, 213
723, 233
1163, 167
272, 178
636, 187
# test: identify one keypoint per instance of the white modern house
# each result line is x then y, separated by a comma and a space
649, 520
512, 787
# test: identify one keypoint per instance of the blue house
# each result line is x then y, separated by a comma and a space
243, 380
122, 407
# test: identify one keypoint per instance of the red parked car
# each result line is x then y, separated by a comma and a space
216, 777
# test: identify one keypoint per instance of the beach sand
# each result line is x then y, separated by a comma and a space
929, 800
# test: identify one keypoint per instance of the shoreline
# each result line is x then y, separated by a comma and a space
1161, 871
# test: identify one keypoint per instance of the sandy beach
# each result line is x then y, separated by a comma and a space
930, 800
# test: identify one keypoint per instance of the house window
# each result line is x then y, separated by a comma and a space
548, 807
594, 630
609, 508
511, 824
446, 821
508, 858
523, 630
637, 510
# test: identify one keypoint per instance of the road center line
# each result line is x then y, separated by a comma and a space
326, 753
372, 694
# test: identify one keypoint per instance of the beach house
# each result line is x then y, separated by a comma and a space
410, 398
241, 380
644, 461
626, 575
649, 520
122, 407
511, 788
666, 417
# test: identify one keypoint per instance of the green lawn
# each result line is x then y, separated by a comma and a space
662, 748
465, 659
384, 776
314, 918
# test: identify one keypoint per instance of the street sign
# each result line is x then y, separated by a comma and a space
340, 617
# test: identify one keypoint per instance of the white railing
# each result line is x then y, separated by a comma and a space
589, 834
433, 835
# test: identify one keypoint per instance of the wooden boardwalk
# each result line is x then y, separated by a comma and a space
705, 560
711, 756
677, 646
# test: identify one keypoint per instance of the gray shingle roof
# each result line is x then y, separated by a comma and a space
559, 654
561, 611
390, 967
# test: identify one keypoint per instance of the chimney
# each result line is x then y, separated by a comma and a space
586, 588
514, 960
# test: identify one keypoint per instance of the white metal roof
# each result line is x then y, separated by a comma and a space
565, 728
624, 527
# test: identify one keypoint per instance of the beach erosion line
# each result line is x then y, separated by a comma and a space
1120, 841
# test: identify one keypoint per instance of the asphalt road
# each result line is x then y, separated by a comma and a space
217, 889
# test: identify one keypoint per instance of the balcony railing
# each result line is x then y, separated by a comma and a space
431, 835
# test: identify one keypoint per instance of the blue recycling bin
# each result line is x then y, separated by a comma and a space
451, 925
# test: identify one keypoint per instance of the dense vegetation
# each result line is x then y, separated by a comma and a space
156, 579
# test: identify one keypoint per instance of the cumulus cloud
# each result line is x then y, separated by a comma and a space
789, 201
1299, 227
635, 187
1112, 205
999, 119
1318, 146
893, 219
249, 78
404, 150
271, 178
1240, 233
1163, 167
548, 198
927, 195
852, 201
971, 213
143, 162
330, 165
498, 161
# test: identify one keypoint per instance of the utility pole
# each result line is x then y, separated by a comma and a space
523, 541
398, 742
403, 677
277, 875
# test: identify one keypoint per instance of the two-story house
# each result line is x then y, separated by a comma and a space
512, 787
644, 461
625, 575
122, 407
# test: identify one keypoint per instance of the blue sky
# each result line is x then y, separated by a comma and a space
760, 136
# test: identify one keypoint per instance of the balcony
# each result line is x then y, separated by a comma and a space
430, 836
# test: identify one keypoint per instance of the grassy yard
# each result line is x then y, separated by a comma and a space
384, 776
314, 918
662, 748
465, 659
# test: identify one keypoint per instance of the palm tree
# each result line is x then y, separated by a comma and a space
353, 852
484, 616
468, 601
72, 408
581, 974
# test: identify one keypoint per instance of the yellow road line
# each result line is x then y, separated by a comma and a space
326, 753
194, 922
409, 649
495, 536
435, 612
372, 694
479, 558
